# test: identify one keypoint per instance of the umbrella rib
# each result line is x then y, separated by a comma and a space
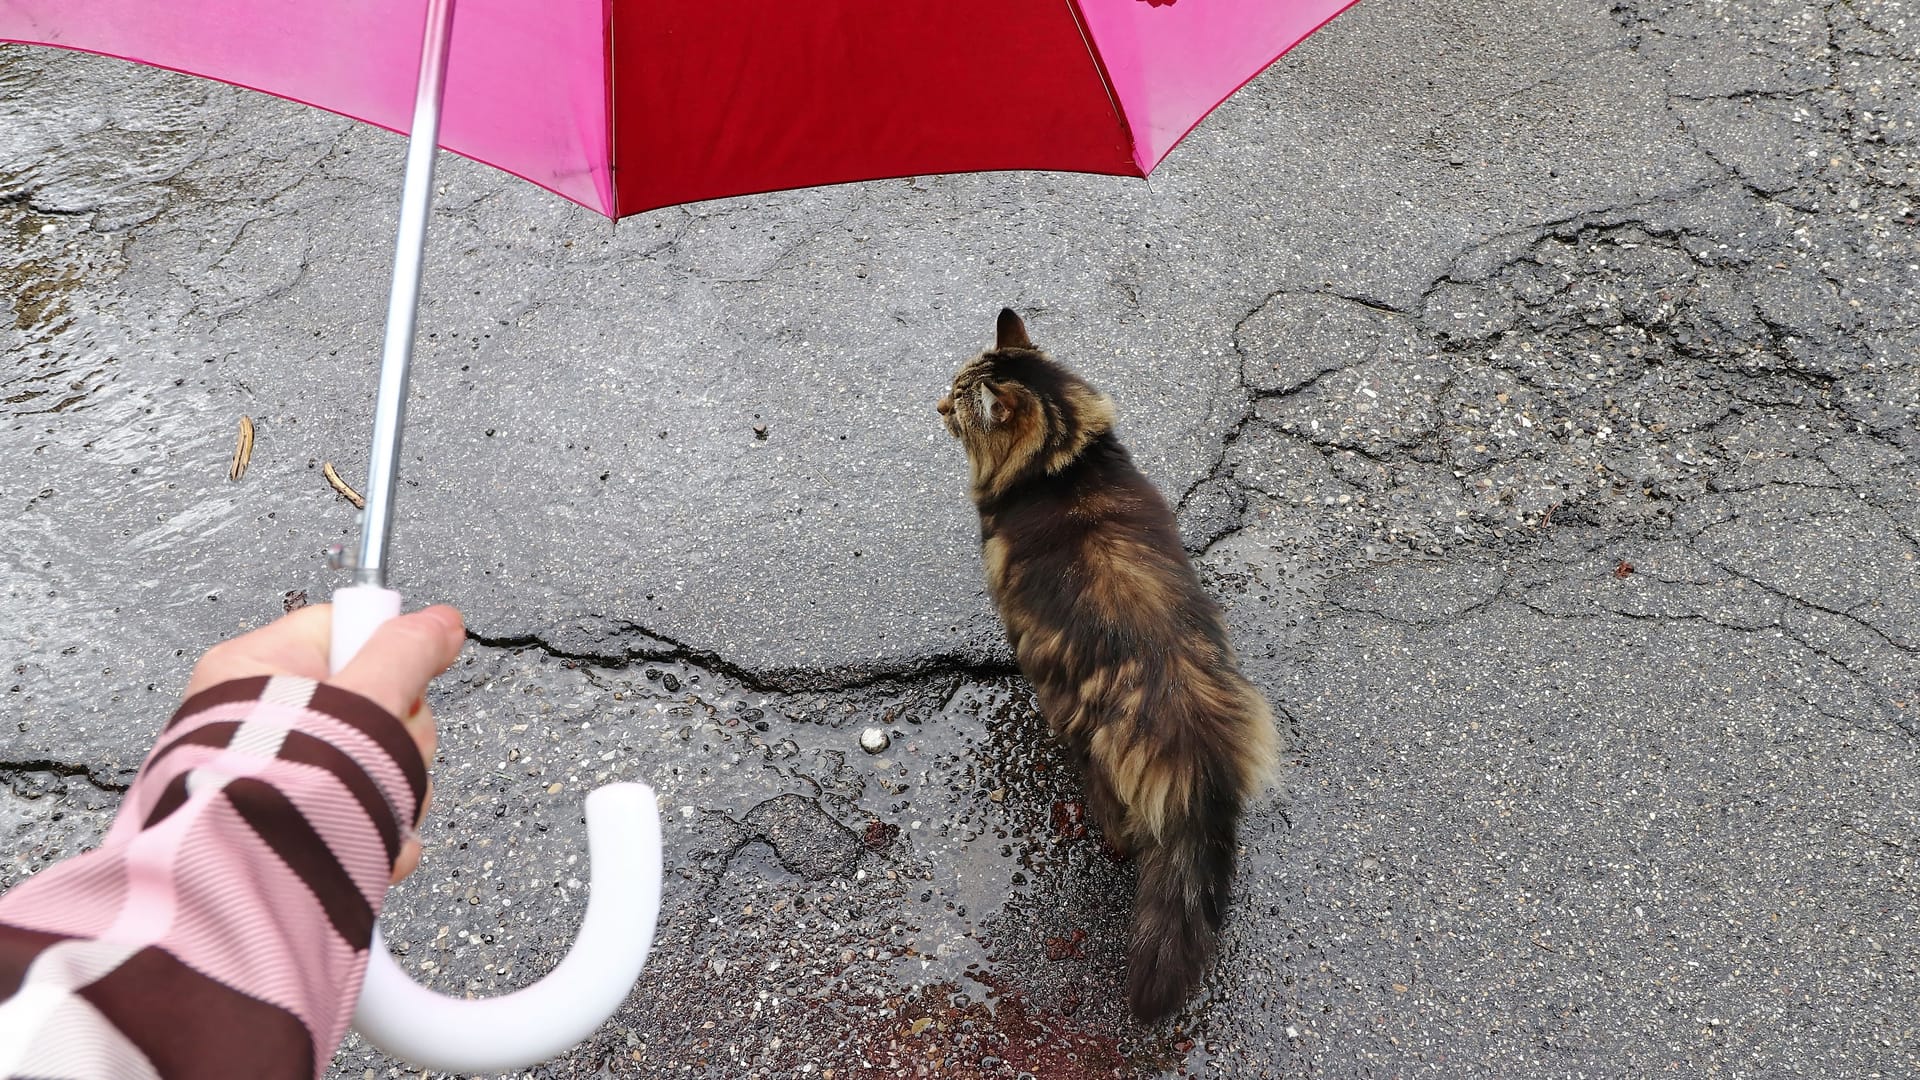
1106, 83
612, 44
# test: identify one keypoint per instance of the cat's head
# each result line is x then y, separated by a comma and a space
1018, 412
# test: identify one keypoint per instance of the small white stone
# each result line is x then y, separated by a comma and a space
873, 740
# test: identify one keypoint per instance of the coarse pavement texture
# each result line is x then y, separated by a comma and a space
1537, 384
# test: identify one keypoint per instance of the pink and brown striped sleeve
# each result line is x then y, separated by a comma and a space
221, 928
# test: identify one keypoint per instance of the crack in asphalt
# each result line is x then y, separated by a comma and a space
911, 674
1754, 367
92, 774
1857, 672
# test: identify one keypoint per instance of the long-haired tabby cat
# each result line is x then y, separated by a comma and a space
1128, 654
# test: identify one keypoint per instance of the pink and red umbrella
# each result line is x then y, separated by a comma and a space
624, 106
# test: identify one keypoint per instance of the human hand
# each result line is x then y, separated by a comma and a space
392, 670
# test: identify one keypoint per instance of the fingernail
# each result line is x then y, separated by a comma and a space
418, 704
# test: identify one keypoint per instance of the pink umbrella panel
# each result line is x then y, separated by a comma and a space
625, 106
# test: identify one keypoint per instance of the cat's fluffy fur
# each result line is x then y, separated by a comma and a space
1128, 654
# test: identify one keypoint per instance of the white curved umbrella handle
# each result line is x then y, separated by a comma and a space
492, 1035
515, 1030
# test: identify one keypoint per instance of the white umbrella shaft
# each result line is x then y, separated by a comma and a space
403, 303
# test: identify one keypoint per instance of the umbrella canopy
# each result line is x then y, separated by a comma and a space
624, 106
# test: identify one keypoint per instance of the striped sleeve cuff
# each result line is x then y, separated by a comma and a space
363, 746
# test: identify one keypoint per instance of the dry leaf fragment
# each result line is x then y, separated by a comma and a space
242, 450
341, 486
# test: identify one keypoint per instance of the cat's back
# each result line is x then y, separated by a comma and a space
1095, 553
1109, 622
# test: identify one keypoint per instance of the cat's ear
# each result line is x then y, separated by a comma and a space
1011, 333
996, 404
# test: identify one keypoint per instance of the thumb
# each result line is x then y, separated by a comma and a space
393, 668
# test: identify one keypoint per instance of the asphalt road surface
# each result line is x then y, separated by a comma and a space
1537, 382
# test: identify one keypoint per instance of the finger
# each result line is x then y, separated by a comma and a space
411, 850
396, 663
295, 644
407, 863
420, 724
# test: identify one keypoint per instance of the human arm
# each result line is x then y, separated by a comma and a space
222, 926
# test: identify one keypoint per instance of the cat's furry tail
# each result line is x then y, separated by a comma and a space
1184, 881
